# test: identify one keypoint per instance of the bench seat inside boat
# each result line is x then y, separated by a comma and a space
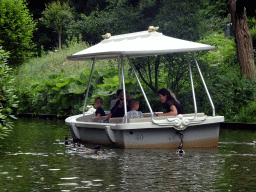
97, 119
116, 120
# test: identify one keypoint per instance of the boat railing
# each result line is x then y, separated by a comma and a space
146, 118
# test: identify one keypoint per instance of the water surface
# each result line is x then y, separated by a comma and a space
34, 158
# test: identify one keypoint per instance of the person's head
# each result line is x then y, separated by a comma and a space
134, 104
164, 94
118, 92
98, 102
121, 96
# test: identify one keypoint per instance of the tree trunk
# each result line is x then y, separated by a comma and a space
59, 30
243, 38
60, 38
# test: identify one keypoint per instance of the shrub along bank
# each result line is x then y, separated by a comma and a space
8, 99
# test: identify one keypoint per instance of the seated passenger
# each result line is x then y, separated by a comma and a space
169, 102
118, 109
133, 113
98, 102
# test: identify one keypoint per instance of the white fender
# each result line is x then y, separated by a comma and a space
110, 134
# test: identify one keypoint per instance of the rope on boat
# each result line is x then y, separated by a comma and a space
180, 151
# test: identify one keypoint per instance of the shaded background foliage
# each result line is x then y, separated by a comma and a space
45, 86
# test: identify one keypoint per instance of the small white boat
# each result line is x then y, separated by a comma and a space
192, 130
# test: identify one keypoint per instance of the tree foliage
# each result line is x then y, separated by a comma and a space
184, 19
57, 15
16, 32
8, 100
231, 92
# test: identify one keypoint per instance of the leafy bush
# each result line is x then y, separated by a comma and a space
57, 95
247, 113
8, 100
16, 32
230, 91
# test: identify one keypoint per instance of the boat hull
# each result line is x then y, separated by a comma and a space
147, 135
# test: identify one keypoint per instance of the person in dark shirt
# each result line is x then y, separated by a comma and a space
98, 102
113, 102
169, 102
118, 109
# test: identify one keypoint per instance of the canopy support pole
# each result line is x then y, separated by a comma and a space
87, 92
150, 109
202, 78
119, 72
192, 86
124, 92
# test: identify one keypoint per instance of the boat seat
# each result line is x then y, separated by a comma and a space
138, 120
98, 119
116, 120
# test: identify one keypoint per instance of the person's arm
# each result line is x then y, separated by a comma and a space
173, 112
98, 115
108, 116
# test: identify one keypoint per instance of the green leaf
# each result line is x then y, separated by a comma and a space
56, 88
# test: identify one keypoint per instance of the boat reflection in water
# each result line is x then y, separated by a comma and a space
194, 130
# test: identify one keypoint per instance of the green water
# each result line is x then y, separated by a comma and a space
34, 158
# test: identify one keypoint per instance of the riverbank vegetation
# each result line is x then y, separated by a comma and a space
48, 83
8, 99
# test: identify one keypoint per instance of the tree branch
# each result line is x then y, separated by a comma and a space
149, 85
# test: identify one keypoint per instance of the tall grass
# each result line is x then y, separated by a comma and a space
56, 63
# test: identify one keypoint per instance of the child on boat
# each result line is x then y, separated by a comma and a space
98, 102
133, 113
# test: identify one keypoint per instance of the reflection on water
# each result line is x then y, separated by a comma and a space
35, 158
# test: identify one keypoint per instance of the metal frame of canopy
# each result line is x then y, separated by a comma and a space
130, 54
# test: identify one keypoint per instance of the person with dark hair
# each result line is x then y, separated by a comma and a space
134, 113
118, 109
98, 102
113, 102
170, 103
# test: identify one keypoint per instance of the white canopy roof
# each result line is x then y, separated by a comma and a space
138, 44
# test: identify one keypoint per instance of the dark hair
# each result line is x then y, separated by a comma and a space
132, 103
121, 95
169, 94
118, 92
164, 92
98, 99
